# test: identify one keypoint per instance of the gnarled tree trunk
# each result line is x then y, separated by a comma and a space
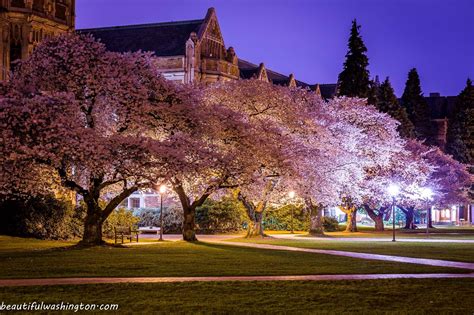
409, 217
351, 211
189, 223
316, 218
376, 216
189, 210
93, 226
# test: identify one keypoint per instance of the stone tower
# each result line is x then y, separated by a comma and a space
24, 23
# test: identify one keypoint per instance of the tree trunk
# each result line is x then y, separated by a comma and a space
379, 226
377, 217
351, 221
93, 225
189, 232
429, 219
410, 216
256, 226
316, 219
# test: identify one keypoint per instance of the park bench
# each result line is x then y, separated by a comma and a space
125, 232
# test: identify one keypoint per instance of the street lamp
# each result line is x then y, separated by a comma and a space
291, 194
162, 190
393, 191
427, 194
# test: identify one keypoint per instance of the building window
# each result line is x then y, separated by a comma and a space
60, 10
135, 203
15, 54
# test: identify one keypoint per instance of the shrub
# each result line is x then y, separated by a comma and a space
119, 217
44, 217
172, 218
279, 219
225, 215
330, 224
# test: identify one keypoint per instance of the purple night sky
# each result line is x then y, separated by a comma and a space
309, 37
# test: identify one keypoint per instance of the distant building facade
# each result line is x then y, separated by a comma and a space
24, 23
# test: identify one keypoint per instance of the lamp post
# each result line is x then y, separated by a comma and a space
291, 194
393, 191
162, 190
427, 194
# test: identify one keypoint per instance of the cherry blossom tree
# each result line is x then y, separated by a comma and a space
103, 123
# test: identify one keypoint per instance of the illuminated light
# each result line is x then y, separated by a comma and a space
426, 193
162, 189
393, 190
291, 194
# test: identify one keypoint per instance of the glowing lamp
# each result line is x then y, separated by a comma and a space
393, 190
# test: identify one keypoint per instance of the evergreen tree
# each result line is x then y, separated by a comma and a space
387, 103
460, 136
417, 107
373, 96
354, 80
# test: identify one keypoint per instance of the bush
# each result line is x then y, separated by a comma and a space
44, 217
225, 215
172, 218
119, 217
330, 224
279, 219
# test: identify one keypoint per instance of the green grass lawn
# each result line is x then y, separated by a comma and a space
447, 251
402, 296
27, 258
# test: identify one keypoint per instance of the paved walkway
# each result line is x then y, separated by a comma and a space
409, 260
370, 239
99, 280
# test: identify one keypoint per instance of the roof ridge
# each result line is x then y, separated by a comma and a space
134, 26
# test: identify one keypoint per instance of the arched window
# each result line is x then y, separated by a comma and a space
15, 54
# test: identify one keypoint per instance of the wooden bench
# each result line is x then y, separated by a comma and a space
125, 232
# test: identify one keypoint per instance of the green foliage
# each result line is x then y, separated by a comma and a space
354, 80
119, 217
460, 137
330, 224
387, 103
172, 218
279, 219
43, 217
417, 107
225, 215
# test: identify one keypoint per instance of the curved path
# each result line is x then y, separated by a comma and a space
101, 280
402, 259
370, 239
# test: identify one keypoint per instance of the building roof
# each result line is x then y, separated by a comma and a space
164, 39
247, 69
328, 91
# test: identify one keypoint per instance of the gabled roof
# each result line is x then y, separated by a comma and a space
328, 91
247, 69
164, 39
250, 70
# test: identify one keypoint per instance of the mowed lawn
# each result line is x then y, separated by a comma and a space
463, 252
399, 296
27, 258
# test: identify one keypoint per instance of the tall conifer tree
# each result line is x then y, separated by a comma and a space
354, 80
387, 103
460, 137
417, 107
